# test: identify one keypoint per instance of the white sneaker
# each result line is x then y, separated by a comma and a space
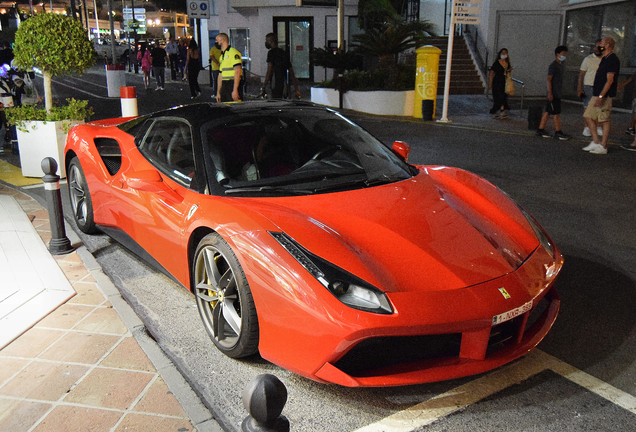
599, 131
600, 150
591, 146
586, 132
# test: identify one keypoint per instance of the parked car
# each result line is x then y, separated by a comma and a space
307, 240
105, 50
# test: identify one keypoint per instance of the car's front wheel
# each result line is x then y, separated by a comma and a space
81, 202
224, 298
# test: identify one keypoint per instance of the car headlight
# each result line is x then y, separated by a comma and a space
349, 289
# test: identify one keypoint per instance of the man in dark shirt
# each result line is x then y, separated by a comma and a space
277, 65
553, 107
158, 56
598, 111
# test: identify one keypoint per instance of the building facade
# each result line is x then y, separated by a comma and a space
300, 28
532, 29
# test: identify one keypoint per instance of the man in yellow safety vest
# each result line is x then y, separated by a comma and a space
229, 88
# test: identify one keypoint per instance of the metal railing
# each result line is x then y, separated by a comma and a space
523, 90
478, 48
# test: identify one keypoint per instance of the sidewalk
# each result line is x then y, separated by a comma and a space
473, 111
86, 365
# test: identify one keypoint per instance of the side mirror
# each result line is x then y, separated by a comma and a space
402, 149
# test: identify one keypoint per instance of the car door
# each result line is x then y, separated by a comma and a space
158, 193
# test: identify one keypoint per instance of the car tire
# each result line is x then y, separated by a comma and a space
80, 198
224, 298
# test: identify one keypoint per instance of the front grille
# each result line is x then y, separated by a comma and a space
509, 332
380, 352
538, 311
504, 334
370, 356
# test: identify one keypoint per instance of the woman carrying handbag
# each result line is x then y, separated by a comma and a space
500, 79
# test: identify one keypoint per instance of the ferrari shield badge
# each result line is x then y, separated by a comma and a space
504, 293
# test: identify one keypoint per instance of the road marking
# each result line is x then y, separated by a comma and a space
13, 175
82, 91
595, 385
470, 393
86, 81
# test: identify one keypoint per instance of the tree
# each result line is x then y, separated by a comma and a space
56, 45
387, 33
338, 61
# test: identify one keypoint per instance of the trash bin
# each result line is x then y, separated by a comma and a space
428, 109
534, 116
426, 74
115, 78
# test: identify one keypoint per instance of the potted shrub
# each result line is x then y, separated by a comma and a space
42, 133
55, 45
388, 88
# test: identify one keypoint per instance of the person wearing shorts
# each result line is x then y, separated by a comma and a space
553, 107
599, 110
585, 87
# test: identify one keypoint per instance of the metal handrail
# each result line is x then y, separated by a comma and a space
479, 49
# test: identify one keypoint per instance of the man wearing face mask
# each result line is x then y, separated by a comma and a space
598, 111
277, 66
553, 107
586, 81
230, 86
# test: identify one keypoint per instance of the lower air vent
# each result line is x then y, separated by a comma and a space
380, 352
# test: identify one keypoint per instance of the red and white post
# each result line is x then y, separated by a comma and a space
128, 101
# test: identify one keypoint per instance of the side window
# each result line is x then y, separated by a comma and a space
168, 146
136, 127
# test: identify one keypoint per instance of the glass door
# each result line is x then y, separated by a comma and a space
295, 35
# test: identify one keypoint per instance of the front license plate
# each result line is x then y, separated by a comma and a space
498, 319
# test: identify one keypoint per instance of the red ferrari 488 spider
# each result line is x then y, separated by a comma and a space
309, 241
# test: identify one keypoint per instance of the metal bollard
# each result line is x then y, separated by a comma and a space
264, 399
60, 244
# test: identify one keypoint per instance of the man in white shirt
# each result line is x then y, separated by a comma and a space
586, 81
172, 49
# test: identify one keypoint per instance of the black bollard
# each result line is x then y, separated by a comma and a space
60, 244
341, 91
264, 399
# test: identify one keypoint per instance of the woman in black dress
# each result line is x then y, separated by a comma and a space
193, 66
497, 82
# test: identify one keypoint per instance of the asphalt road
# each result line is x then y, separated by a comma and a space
582, 378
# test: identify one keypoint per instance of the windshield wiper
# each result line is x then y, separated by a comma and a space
277, 189
360, 182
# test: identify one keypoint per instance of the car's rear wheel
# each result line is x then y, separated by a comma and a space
224, 298
80, 198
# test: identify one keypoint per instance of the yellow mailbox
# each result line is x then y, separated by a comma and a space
426, 76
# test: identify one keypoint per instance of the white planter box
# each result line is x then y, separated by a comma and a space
325, 96
42, 139
379, 102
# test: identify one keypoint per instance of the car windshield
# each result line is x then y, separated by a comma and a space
297, 150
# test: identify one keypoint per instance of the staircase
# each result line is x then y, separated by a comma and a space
464, 78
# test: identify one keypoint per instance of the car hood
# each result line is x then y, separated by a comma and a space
442, 229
